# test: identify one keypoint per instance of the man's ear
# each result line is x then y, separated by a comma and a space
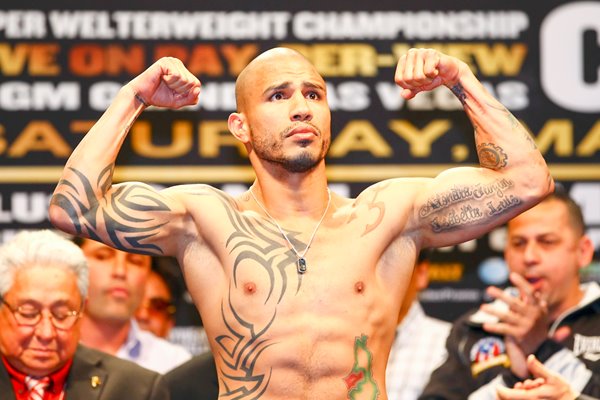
585, 251
238, 127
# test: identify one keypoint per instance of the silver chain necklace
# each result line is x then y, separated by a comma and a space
301, 263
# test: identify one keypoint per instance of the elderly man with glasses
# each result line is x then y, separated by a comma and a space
43, 287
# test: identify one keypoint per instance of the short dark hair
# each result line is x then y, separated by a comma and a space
78, 240
573, 209
168, 269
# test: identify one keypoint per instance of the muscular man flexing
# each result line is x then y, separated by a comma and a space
298, 288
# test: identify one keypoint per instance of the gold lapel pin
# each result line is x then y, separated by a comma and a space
95, 381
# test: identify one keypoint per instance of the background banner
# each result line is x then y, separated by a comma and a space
60, 67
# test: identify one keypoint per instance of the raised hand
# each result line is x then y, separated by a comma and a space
166, 83
425, 69
524, 325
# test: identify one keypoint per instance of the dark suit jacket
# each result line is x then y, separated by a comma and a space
113, 378
195, 379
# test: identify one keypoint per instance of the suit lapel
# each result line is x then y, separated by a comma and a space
5, 385
86, 377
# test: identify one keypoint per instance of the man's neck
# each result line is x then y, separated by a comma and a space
292, 193
571, 302
104, 335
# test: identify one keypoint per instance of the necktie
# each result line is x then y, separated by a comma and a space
36, 387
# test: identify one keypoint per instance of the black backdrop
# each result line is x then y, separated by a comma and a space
60, 66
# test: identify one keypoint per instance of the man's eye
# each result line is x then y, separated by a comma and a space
29, 313
138, 261
59, 316
313, 96
277, 96
102, 255
61, 313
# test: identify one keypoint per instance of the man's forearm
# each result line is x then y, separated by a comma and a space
87, 175
503, 144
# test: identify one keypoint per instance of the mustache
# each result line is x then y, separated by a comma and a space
295, 125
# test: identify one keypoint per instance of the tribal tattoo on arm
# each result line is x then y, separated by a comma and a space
128, 215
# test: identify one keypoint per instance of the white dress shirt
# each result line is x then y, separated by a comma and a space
418, 349
152, 352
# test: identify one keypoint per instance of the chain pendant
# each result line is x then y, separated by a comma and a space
301, 265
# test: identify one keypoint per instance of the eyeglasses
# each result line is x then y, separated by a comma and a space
61, 317
160, 305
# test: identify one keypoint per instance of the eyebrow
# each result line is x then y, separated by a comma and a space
287, 84
36, 303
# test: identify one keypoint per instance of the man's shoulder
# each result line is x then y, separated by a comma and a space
198, 375
407, 186
198, 364
467, 320
193, 189
117, 378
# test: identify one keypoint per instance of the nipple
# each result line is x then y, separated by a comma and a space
359, 287
250, 288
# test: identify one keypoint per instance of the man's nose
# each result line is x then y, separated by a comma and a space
531, 253
300, 109
45, 330
119, 267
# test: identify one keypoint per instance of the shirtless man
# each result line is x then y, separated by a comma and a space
299, 288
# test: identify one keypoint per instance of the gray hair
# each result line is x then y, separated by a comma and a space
40, 247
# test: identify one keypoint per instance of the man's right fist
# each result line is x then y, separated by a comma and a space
166, 83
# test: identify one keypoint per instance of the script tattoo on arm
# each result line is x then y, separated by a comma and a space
459, 92
124, 215
468, 205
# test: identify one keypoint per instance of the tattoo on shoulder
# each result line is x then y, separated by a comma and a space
468, 205
491, 156
369, 199
360, 381
123, 224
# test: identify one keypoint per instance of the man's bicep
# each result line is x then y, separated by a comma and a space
463, 203
129, 216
